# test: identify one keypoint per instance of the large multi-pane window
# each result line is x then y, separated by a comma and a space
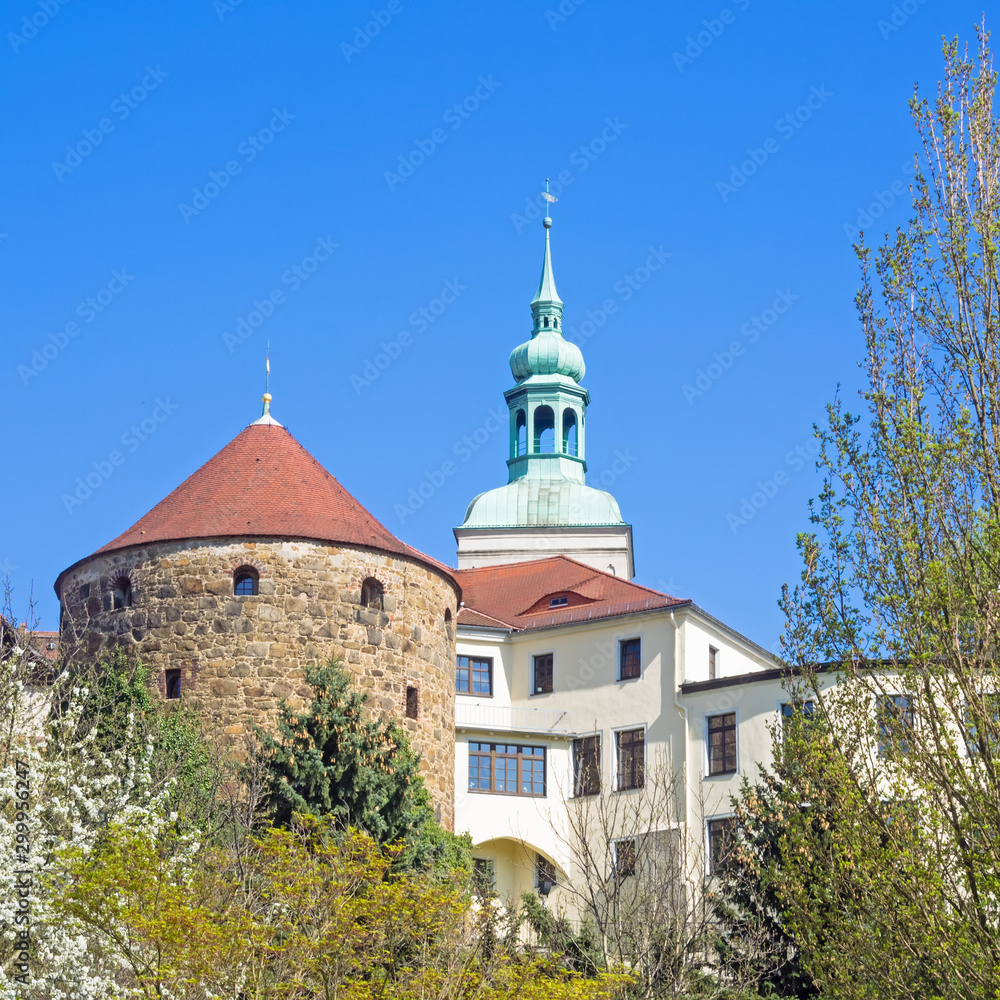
507, 769
895, 723
722, 743
630, 746
587, 765
542, 674
474, 676
721, 839
630, 659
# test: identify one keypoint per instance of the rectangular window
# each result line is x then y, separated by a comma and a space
721, 837
722, 744
803, 710
587, 766
173, 684
895, 722
986, 737
483, 879
545, 872
631, 749
625, 858
713, 663
542, 670
630, 663
412, 702
507, 769
474, 676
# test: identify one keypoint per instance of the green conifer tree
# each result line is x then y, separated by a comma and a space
330, 760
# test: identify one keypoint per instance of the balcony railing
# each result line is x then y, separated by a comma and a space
507, 718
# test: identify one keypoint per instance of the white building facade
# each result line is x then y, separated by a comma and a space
575, 686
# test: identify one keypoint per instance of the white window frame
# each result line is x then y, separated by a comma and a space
706, 763
532, 693
614, 755
599, 733
708, 842
630, 637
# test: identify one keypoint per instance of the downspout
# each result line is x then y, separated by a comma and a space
678, 681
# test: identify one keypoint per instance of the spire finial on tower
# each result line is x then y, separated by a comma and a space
546, 303
265, 413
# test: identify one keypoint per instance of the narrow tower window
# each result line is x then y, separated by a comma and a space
569, 432
172, 684
545, 322
121, 593
372, 594
545, 431
412, 702
245, 581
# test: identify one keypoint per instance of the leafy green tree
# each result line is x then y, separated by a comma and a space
333, 760
899, 896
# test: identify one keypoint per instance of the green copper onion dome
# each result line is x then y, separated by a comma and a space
548, 352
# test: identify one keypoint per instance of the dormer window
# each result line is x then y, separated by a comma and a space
558, 602
245, 581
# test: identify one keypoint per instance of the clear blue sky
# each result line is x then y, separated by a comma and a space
303, 129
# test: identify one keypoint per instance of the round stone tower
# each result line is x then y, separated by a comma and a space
257, 565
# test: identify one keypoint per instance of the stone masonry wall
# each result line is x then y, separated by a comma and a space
238, 655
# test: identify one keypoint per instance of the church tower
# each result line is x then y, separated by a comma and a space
546, 508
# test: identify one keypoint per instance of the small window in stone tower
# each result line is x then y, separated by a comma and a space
412, 702
121, 593
245, 581
371, 594
172, 686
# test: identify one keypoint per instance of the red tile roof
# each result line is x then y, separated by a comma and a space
263, 484
517, 595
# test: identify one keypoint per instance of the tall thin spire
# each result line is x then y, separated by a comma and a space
547, 283
265, 413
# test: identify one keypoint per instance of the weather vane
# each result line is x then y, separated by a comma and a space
545, 194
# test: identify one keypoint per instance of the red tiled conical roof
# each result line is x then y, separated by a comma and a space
263, 484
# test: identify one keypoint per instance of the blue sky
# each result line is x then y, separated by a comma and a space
168, 168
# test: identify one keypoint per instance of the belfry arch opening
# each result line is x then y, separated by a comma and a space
570, 442
520, 434
545, 431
